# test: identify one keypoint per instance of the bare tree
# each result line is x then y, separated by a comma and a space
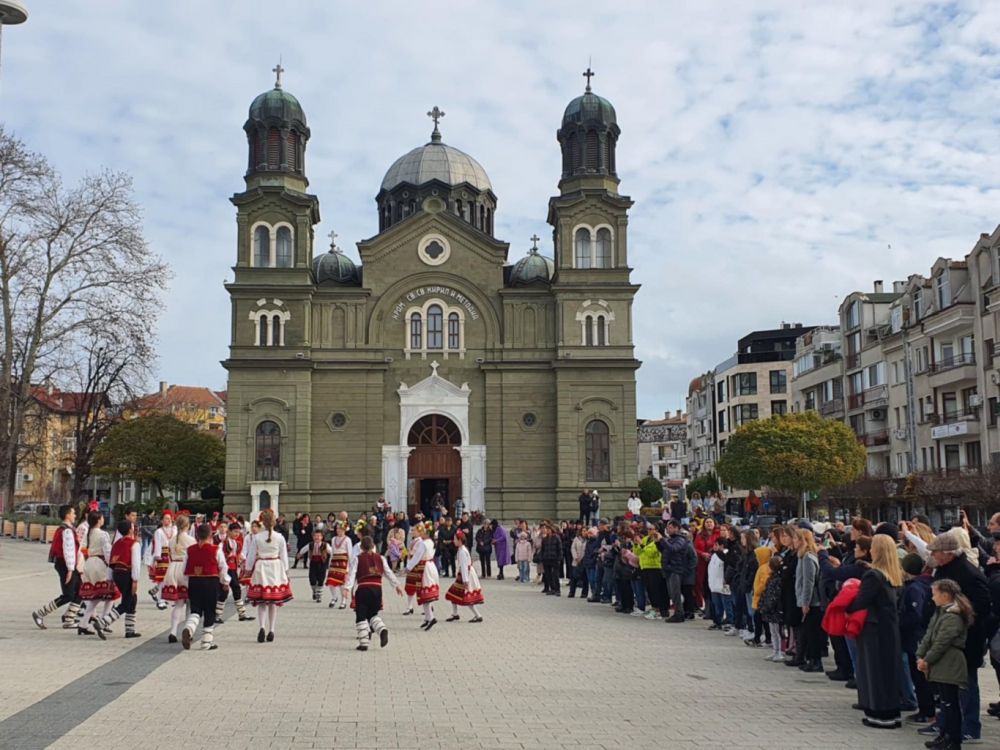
72, 262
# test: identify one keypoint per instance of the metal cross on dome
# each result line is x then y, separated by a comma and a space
534, 242
436, 114
333, 239
277, 70
588, 74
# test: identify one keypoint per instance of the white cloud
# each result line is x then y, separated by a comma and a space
774, 150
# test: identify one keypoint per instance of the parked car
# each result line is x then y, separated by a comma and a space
36, 509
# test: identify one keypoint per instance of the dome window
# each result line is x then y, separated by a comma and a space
434, 250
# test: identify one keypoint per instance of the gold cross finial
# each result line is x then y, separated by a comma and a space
277, 70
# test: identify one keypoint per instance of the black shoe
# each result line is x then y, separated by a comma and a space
431, 624
82, 630
186, 636
851, 684
571, 596
270, 637
815, 666
407, 612
171, 638
383, 638
453, 618
857, 707
98, 629
246, 618
220, 622
592, 601
689, 615
556, 593
260, 635
713, 626
39, 621
878, 725
837, 676
675, 618
917, 718
133, 634
423, 625
476, 619
794, 663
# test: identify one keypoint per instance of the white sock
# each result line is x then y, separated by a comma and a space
191, 624
475, 610
377, 625
262, 616
272, 616
410, 602
454, 609
176, 615
427, 612
88, 611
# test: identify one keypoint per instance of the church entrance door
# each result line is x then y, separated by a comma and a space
434, 465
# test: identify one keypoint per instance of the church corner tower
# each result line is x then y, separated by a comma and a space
595, 359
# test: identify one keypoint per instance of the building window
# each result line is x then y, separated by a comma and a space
781, 407
454, 331
283, 245
598, 449
721, 391
601, 337
854, 315
973, 457
993, 403
746, 384
435, 324
916, 305
588, 330
268, 452
269, 327
592, 249
262, 331
416, 331
582, 242
745, 413
779, 381
261, 247
943, 283
602, 254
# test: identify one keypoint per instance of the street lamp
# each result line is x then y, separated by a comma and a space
12, 12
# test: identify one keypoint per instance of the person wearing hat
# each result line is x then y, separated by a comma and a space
948, 561
915, 610
160, 559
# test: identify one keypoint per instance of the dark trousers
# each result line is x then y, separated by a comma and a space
925, 695
550, 576
674, 593
447, 560
687, 591
656, 588
70, 591
484, 564
951, 710
626, 597
317, 572
367, 603
812, 635
123, 580
842, 657
203, 594
740, 613
579, 578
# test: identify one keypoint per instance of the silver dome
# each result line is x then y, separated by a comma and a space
436, 161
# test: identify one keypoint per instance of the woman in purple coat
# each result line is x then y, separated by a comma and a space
500, 549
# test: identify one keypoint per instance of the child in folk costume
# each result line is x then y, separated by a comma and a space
161, 557
126, 567
248, 540
231, 544
97, 585
396, 548
414, 569
206, 571
65, 555
340, 558
267, 556
466, 591
427, 590
367, 570
175, 583
318, 555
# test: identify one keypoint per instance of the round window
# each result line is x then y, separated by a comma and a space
339, 420
433, 250
529, 419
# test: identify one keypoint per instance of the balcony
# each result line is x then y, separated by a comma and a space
856, 401
952, 370
876, 438
831, 407
852, 361
876, 396
955, 423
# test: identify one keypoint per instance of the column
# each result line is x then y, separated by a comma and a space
395, 474
473, 476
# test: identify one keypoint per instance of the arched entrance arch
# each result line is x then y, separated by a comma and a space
434, 467
447, 406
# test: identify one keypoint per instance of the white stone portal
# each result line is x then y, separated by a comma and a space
264, 495
434, 395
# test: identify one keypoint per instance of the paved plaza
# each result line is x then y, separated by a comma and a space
541, 672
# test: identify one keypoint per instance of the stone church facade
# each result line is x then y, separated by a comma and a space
439, 365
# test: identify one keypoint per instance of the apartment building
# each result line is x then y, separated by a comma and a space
701, 453
662, 448
818, 372
983, 265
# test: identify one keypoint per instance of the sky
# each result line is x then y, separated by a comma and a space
780, 155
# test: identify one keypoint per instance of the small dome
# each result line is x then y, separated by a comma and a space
277, 105
589, 108
336, 267
532, 269
436, 161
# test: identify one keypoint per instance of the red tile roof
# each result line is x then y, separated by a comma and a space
181, 395
64, 402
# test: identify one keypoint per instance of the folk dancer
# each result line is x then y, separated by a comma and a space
367, 571
414, 569
231, 544
466, 591
318, 554
340, 557
427, 590
64, 554
269, 589
126, 568
175, 583
160, 557
206, 571
97, 584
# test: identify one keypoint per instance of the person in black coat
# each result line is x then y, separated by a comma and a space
950, 562
879, 664
791, 613
551, 555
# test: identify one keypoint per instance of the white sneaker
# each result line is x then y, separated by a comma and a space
637, 613
650, 615
729, 630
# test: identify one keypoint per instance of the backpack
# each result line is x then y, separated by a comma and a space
595, 504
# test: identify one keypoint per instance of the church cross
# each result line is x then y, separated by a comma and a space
588, 74
333, 238
534, 241
434, 368
277, 70
435, 114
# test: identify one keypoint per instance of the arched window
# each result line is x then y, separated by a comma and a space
482, 218
261, 247
277, 334
588, 330
435, 325
458, 208
283, 249
602, 256
454, 331
602, 338
268, 452
273, 148
598, 450
582, 248
262, 331
416, 332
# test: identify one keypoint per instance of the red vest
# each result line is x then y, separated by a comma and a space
202, 561
232, 551
121, 553
56, 548
370, 570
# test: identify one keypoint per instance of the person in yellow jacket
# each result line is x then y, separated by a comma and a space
651, 573
759, 584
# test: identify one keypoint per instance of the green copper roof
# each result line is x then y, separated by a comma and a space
589, 107
533, 268
277, 104
335, 266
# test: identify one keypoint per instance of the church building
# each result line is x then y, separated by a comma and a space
445, 363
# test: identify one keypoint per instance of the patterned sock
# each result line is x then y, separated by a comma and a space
48, 609
207, 638
130, 623
220, 607
241, 607
191, 624
109, 618
72, 615
377, 625
363, 633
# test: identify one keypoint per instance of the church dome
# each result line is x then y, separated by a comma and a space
589, 108
533, 268
276, 105
436, 161
336, 267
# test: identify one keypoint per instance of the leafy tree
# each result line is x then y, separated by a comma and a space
791, 454
650, 490
704, 485
161, 451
